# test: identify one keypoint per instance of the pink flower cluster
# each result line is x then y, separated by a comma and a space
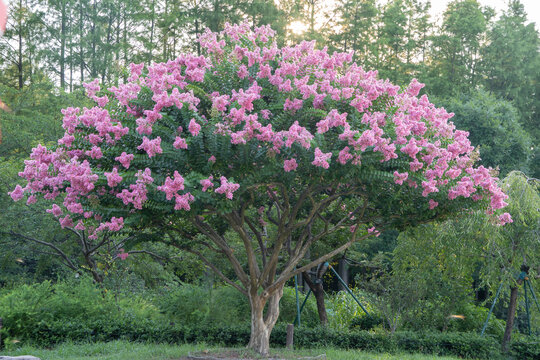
171, 188
152, 147
113, 178
321, 159
290, 165
207, 183
227, 188
137, 193
125, 159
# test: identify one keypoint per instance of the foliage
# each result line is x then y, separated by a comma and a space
48, 313
191, 305
343, 310
396, 37
526, 348
471, 319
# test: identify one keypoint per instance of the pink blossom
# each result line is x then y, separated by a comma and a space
411, 149
113, 178
242, 72
55, 210
95, 152
265, 113
293, 105
194, 128
172, 185
17, 193
290, 165
125, 159
321, 159
344, 156
399, 178
66, 221
182, 201
429, 187
227, 188
152, 147
122, 255
80, 226
432, 204
220, 103
505, 219
32, 199
414, 87
212, 159
180, 143
207, 183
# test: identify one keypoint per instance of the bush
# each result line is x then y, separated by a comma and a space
223, 306
48, 313
525, 349
342, 309
186, 304
287, 309
473, 320
366, 322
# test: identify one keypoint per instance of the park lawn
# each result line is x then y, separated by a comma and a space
123, 350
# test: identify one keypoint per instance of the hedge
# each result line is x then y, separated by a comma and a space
465, 345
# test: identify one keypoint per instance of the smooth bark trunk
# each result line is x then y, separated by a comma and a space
262, 324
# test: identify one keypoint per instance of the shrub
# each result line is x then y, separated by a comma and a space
287, 308
48, 313
342, 309
223, 306
473, 320
366, 322
526, 349
185, 304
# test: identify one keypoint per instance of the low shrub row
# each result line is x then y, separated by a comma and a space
466, 345
526, 348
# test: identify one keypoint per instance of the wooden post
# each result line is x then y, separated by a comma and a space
290, 336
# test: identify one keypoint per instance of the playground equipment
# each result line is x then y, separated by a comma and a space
524, 277
321, 270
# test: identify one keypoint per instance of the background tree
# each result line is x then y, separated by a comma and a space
510, 62
456, 48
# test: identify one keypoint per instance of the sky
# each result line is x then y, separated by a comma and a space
532, 8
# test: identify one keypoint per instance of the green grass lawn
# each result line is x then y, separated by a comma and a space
122, 350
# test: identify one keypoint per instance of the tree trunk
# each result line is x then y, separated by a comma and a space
81, 41
343, 273
261, 324
20, 51
321, 308
318, 291
510, 318
63, 47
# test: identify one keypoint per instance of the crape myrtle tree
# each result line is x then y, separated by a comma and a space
281, 147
